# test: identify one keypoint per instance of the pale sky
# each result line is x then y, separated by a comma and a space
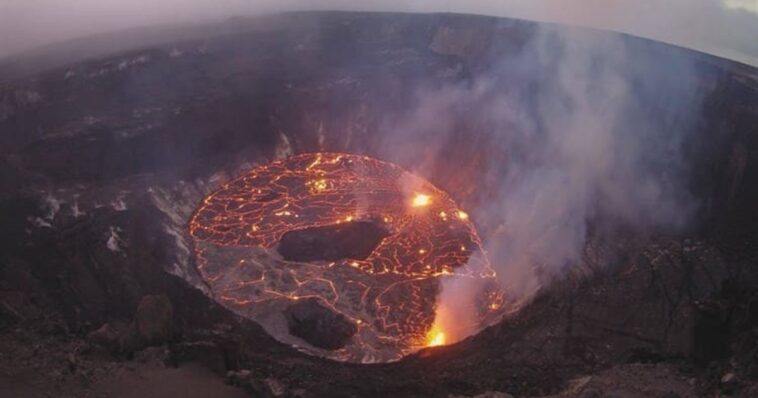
728, 28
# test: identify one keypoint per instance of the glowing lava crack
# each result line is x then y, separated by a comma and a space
340, 255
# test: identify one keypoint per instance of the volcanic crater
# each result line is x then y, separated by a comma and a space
158, 204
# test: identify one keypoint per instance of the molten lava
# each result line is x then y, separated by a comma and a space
435, 337
421, 200
388, 295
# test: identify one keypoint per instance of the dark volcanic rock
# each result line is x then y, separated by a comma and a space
155, 319
355, 240
318, 325
257, 386
208, 353
118, 337
106, 336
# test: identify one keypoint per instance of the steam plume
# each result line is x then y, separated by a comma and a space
587, 135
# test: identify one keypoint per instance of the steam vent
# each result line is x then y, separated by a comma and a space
351, 204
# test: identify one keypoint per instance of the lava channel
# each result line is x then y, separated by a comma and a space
339, 255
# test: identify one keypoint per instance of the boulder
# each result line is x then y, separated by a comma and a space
154, 319
117, 337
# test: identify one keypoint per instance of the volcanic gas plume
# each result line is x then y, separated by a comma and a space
356, 243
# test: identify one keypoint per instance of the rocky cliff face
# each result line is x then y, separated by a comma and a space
103, 160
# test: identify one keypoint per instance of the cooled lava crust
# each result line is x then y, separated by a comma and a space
358, 237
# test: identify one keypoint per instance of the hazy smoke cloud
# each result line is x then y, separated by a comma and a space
727, 28
592, 148
723, 27
586, 135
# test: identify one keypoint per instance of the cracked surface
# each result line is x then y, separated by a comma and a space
389, 296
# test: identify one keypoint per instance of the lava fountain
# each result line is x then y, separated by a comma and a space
340, 255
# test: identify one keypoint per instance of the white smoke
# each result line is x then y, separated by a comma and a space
585, 161
590, 134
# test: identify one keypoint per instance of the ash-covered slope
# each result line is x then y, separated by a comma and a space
102, 162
